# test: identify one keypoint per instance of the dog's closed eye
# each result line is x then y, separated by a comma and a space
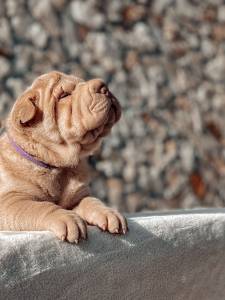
63, 95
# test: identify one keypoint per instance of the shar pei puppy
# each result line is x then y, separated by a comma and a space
52, 128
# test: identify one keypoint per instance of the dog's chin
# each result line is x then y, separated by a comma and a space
93, 139
90, 149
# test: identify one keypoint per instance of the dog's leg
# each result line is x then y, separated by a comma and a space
96, 213
19, 214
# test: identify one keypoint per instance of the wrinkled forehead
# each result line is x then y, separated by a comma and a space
56, 79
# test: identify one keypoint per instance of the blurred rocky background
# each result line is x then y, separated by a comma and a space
165, 62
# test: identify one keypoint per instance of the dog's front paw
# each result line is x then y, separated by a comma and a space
66, 225
107, 219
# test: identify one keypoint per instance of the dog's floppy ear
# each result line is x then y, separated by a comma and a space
25, 109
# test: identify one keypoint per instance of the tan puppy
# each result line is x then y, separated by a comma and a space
52, 128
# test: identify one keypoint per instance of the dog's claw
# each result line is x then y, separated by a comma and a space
103, 227
63, 237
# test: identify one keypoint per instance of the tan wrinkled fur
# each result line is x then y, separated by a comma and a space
59, 120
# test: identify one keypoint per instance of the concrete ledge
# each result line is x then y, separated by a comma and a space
174, 255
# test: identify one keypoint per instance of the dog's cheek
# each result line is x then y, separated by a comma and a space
61, 115
68, 131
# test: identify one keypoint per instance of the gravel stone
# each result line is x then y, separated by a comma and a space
85, 13
4, 67
215, 68
37, 35
5, 34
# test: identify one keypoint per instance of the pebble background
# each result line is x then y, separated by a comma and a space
165, 62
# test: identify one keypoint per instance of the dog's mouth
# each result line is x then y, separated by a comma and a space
101, 131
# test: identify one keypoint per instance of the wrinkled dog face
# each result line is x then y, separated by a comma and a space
87, 113
59, 109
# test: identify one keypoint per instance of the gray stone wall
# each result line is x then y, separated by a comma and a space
164, 60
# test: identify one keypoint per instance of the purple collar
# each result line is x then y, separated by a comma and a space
28, 156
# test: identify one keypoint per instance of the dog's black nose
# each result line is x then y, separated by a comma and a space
98, 86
